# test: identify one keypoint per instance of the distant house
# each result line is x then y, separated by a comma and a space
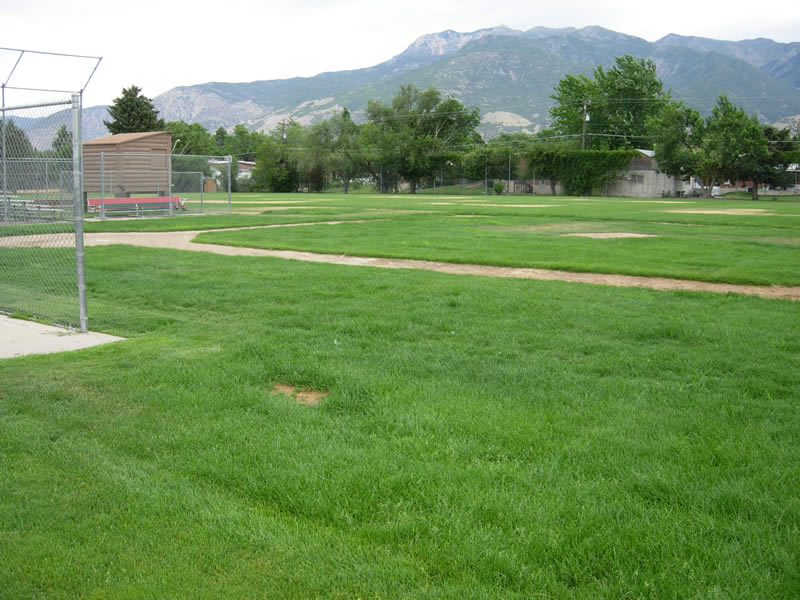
218, 165
642, 179
133, 163
245, 169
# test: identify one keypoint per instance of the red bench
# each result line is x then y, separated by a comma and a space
137, 204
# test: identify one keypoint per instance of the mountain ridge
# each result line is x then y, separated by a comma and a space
503, 71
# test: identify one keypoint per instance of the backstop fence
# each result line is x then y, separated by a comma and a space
41, 211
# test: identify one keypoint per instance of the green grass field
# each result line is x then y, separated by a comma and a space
480, 438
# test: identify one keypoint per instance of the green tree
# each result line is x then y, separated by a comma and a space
419, 133
580, 171
222, 178
727, 143
617, 104
220, 139
191, 138
62, 143
544, 159
335, 147
132, 113
493, 159
772, 168
17, 143
277, 162
316, 158
241, 143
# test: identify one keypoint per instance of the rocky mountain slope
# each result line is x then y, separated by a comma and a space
508, 74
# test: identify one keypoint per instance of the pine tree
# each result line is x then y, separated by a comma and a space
17, 143
133, 113
62, 143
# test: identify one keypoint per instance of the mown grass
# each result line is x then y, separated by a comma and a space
762, 249
191, 223
481, 438
764, 196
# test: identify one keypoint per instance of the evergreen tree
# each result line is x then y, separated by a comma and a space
62, 143
220, 138
17, 143
133, 113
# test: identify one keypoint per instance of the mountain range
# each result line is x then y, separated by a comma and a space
508, 74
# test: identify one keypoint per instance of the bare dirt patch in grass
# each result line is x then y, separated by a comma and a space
512, 205
247, 210
401, 211
660, 201
294, 201
453, 197
744, 212
610, 235
785, 241
307, 397
562, 228
294, 207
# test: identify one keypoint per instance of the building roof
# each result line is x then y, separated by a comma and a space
121, 138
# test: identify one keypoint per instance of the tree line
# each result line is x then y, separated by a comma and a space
597, 123
18, 145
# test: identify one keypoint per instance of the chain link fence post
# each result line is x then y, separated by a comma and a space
77, 201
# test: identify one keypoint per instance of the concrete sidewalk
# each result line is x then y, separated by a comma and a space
18, 338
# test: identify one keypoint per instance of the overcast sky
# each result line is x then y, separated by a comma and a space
158, 45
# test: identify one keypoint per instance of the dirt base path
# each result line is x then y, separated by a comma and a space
182, 240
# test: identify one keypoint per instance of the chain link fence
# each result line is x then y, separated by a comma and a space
41, 219
155, 184
455, 186
38, 259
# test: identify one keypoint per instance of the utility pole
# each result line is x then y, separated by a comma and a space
485, 174
508, 189
585, 118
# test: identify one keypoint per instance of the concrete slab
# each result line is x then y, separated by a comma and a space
18, 338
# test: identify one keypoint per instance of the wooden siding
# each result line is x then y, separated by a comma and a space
135, 166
